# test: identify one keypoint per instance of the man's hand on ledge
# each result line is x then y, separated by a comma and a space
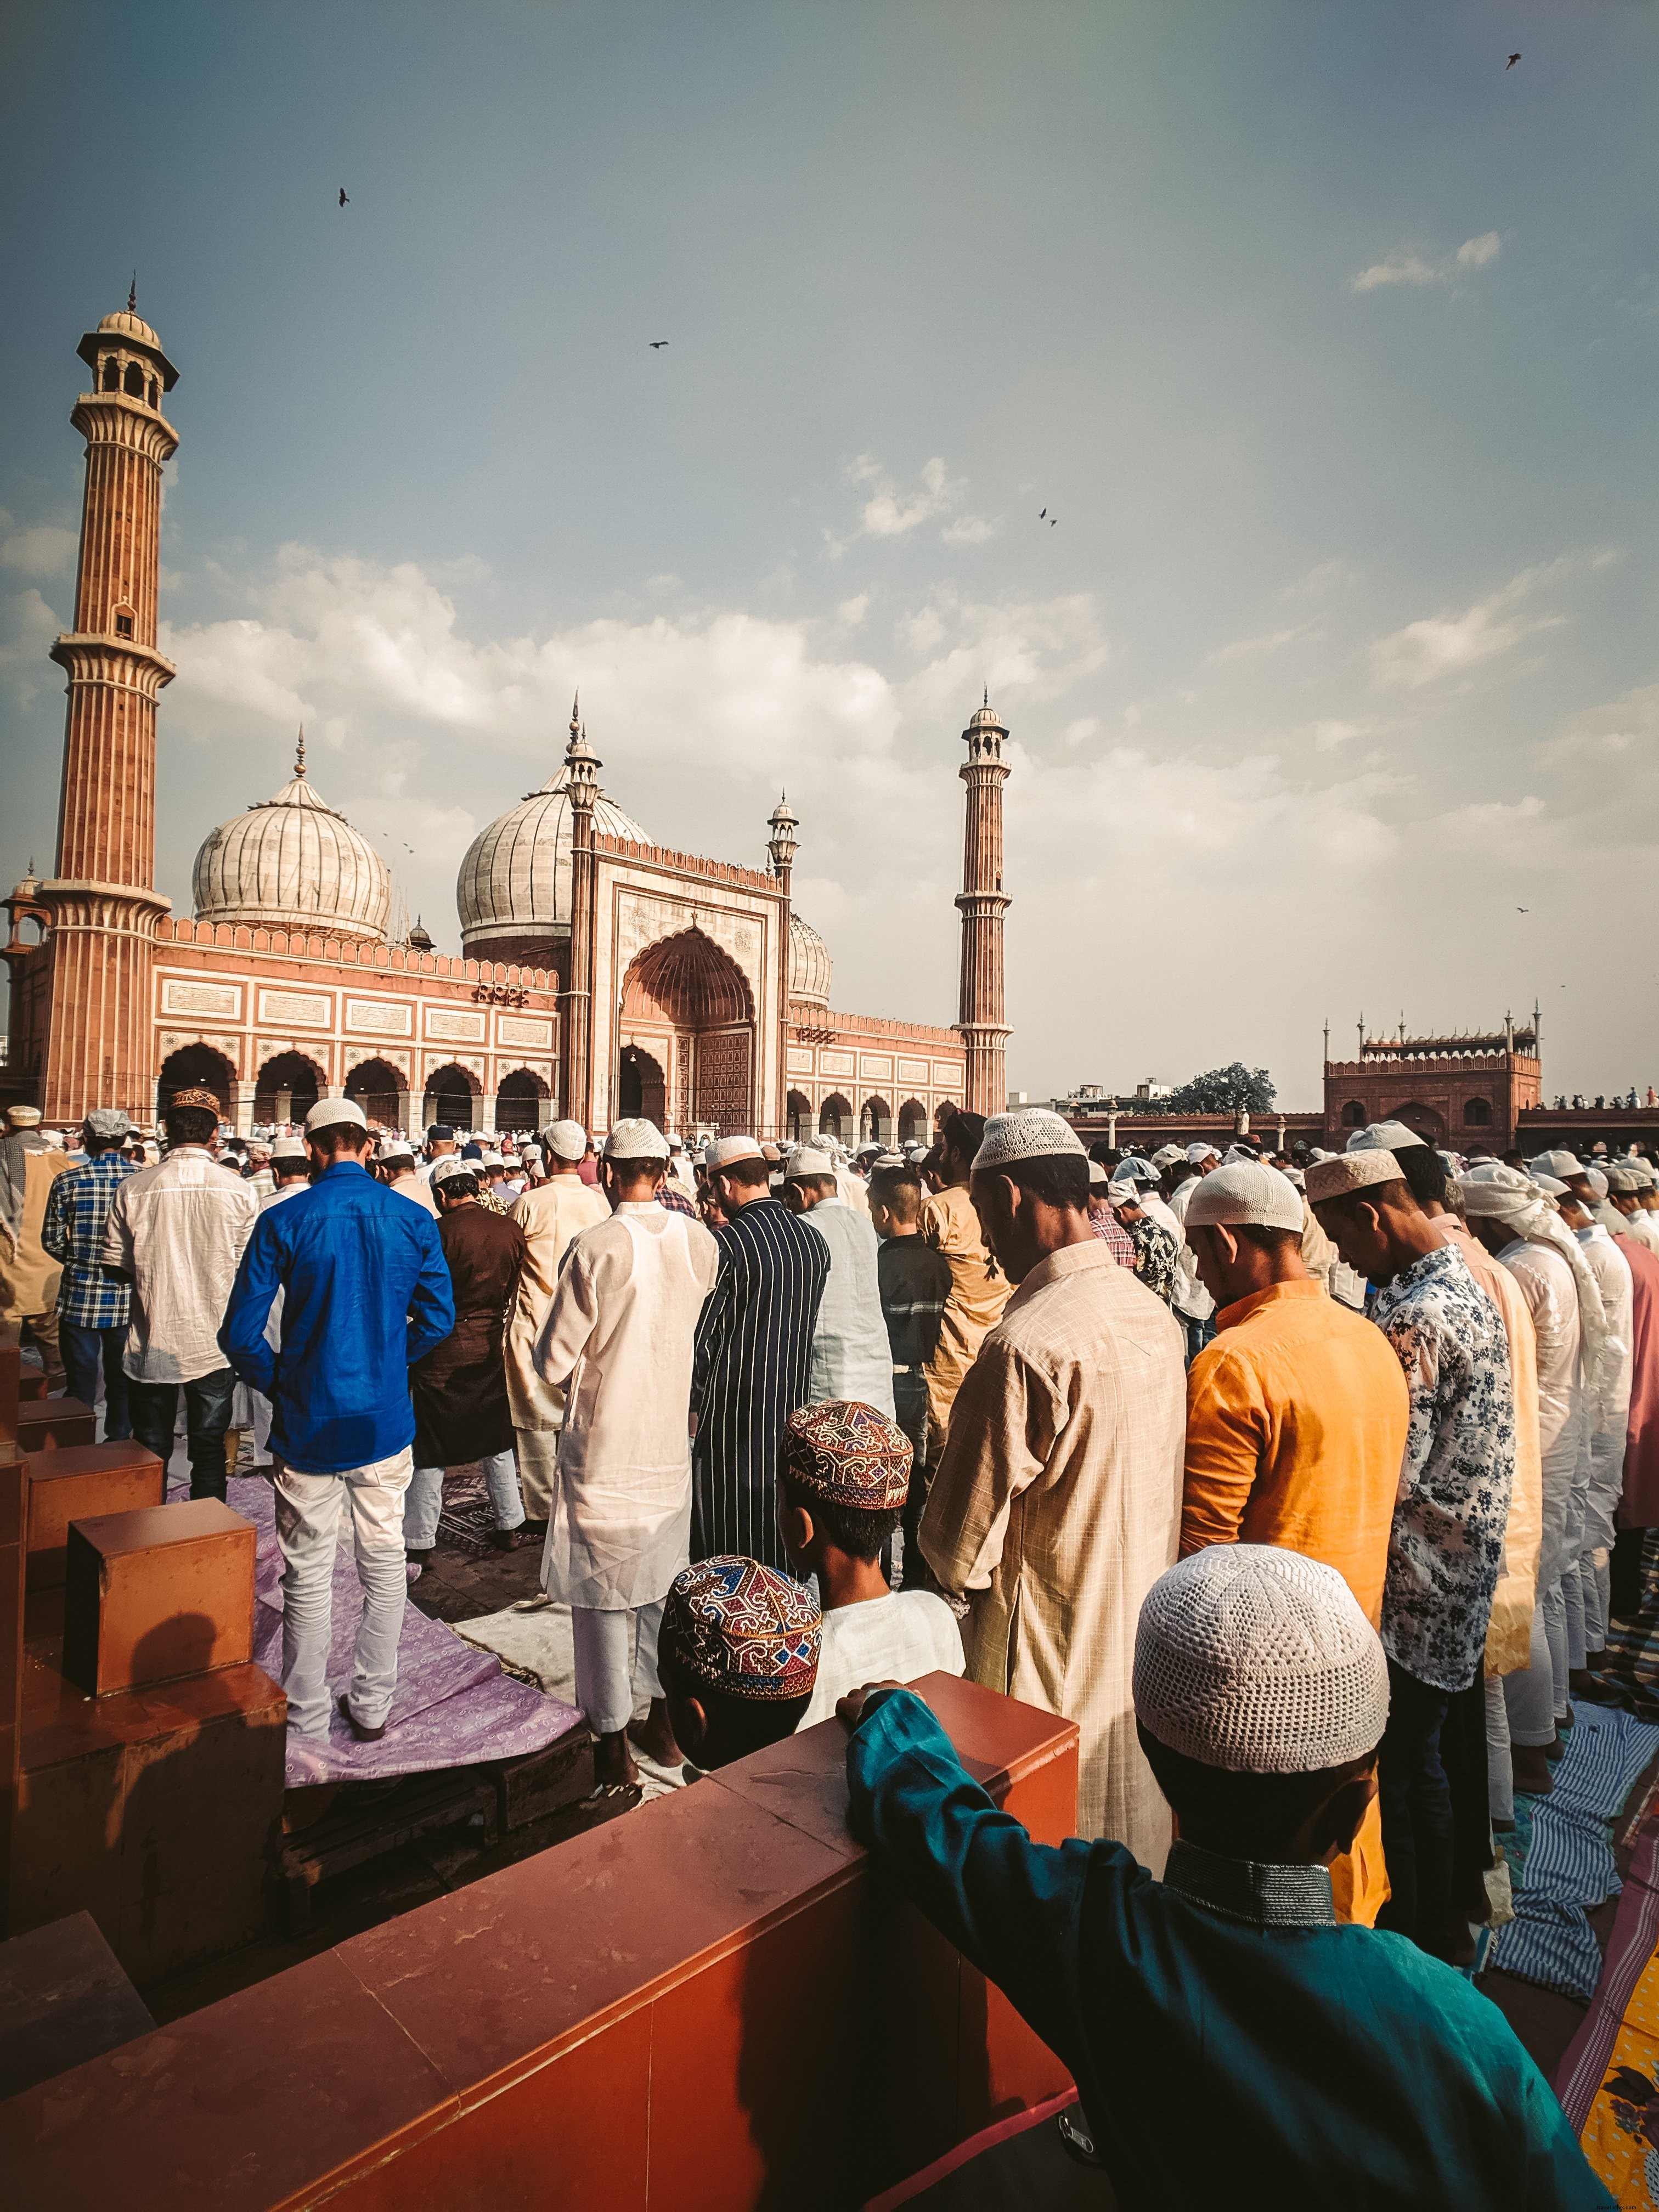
849, 1709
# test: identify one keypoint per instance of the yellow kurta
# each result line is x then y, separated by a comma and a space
550, 1215
1508, 1635
28, 1275
979, 1291
1057, 1506
1296, 1434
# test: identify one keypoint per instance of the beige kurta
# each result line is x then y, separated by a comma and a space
1057, 1506
619, 1333
29, 1276
979, 1291
550, 1216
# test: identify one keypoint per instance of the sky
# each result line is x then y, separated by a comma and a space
1325, 340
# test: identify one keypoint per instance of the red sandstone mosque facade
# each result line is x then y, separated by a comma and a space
602, 974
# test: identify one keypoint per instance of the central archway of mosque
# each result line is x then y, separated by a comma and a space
688, 1035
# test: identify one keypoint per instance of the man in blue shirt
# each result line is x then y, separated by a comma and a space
93, 1307
365, 1293
1229, 2039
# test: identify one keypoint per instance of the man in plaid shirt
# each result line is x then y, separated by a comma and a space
93, 1308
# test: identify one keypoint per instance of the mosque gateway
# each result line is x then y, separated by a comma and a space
602, 974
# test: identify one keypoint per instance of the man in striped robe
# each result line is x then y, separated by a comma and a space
754, 1350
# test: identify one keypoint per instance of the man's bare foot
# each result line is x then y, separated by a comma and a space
613, 1764
654, 1736
1533, 1777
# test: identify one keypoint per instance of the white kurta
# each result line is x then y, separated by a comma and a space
852, 1356
1611, 1417
619, 1335
550, 1215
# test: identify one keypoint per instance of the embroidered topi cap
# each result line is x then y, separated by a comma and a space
849, 1453
740, 1627
1032, 1134
1346, 1171
1246, 1193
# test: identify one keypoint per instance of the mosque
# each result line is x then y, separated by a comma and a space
602, 974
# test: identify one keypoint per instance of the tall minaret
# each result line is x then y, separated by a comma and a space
983, 903
100, 1041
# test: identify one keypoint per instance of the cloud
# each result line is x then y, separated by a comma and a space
1259, 648
967, 530
1444, 644
889, 512
28, 627
43, 550
1406, 265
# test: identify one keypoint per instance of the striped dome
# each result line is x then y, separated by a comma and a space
291, 862
809, 971
515, 879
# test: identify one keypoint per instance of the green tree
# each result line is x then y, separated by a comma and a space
1225, 1091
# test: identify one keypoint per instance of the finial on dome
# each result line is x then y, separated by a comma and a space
576, 712
132, 294
987, 700
299, 755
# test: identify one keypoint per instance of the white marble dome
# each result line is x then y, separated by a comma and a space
810, 972
291, 862
515, 879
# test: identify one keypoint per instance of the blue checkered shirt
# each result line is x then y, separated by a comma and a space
72, 1231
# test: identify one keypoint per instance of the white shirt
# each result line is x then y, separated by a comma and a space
1612, 1272
1191, 1298
852, 1356
896, 1638
178, 1231
1550, 1290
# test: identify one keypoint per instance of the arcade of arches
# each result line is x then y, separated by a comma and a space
688, 1037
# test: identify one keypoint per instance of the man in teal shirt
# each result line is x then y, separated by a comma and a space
1231, 2042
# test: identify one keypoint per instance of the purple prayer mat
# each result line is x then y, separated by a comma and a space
454, 1704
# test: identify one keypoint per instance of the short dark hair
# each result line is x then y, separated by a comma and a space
632, 1169
289, 1169
1260, 1809
1425, 1172
1264, 1238
962, 1134
457, 1186
1057, 1178
858, 1530
190, 1125
337, 1137
899, 1189
749, 1173
738, 1726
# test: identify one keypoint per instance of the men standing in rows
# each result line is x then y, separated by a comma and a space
28, 1274
365, 1295
176, 1233
753, 1355
914, 1281
440, 1145
619, 1340
1638, 1505
1057, 1504
1607, 1262
1192, 1305
850, 1354
550, 1215
1297, 1415
93, 1308
396, 1160
1447, 1547
979, 1289
459, 1386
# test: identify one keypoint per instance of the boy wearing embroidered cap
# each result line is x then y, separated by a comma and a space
1337, 2065
845, 1482
738, 1652
552, 1215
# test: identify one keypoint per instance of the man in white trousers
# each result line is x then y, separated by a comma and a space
619, 1337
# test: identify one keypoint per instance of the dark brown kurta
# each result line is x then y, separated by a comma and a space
459, 1388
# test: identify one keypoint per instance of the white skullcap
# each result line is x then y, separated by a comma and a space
1501, 1192
327, 1111
1334, 1177
1627, 1176
289, 1148
450, 1165
636, 1140
888, 1160
565, 1141
1549, 1185
726, 1150
491, 1159
1197, 1154
1557, 1164
1295, 1176
394, 1148
805, 1163
23, 1117
1124, 1194
1167, 1155
1259, 1660
1098, 1173
1032, 1134
1496, 1192
1597, 1181
1247, 1194
1383, 1136
109, 1121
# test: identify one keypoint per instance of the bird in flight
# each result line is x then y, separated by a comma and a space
343, 202
1510, 63
657, 345
1523, 909
1041, 513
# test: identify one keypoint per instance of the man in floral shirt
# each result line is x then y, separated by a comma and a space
93, 1307
1446, 1548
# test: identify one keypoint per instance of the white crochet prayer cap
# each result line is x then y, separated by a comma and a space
289, 1148
1197, 1154
1383, 1136
1241, 1195
450, 1165
1259, 1660
108, 1123
725, 1149
1560, 1163
1597, 1181
327, 1111
1549, 1185
1345, 1171
1628, 1176
1099, 1175
1167, 1155
394, 1148
565, 1141
491, 1159
1032, 1134
805, 1162
636, 1140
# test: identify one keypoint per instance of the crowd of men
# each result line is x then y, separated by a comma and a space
1307, 1488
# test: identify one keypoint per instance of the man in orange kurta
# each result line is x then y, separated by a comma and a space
1297, 1416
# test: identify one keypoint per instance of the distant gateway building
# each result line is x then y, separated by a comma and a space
603, 974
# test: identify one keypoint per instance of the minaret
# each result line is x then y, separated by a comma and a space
782, 847
582, 784
983, 903
100, 1045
